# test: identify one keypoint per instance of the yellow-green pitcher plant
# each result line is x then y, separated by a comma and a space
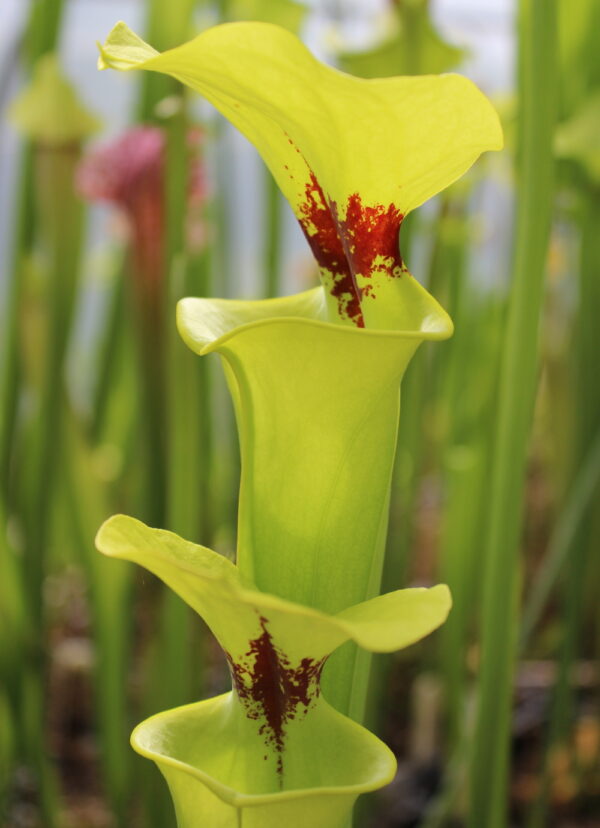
315, 381
272, 747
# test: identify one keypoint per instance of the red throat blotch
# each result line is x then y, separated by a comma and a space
271, 690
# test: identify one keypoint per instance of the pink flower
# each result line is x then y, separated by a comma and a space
129, 173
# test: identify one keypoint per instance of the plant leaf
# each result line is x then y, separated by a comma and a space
315, 402
352, 156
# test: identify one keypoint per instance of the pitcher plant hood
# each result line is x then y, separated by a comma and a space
352, 156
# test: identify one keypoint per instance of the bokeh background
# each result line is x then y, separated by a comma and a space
119, 195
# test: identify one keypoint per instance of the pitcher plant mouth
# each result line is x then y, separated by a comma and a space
351, 762
164, 737
207, 324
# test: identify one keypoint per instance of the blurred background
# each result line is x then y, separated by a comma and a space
120, 194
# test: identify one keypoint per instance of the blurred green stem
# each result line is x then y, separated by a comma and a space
110, 353
167, 25
273, 213
44, 27
42, 34
183, 489
576, 536
572, 514
110, 589
61, 232
61, 235
11, 368
518, 381
464, 475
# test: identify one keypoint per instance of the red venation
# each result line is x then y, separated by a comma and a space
362, 242
273, 691
321, 230
370, 237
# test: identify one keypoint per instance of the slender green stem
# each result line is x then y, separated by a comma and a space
518, 381
110, 591
42, 34
62, 233
43, 29
572, 514
464, 478
110, 351
11, 365
273, 214
44, 26
573, 534
167, 25
182, 492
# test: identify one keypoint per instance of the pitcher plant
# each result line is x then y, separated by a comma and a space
315, 382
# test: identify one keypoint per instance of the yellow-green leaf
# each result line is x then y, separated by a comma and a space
352, 156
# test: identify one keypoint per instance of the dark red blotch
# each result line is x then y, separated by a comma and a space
273, 691
348, 246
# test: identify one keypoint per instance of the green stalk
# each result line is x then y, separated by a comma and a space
462, 409
11, 368
110, 353
110, 590
464, 477
15, 640
44, 25
574, 532
62, 231
167, 25
273, 216
43, 29
182, 492
7, 748
562, 540
518, 380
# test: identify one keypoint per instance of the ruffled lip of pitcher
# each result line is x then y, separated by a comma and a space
173, 739
206, 324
